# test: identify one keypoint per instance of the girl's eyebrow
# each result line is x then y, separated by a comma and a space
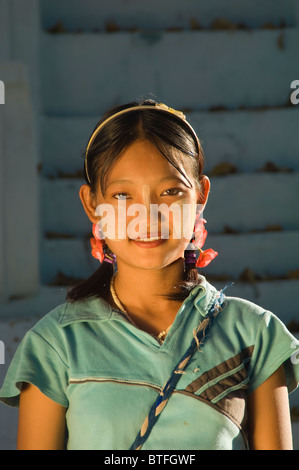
166, 178
119, 181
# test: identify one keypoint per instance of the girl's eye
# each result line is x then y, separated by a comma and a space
173, 191
168, 192
122, 195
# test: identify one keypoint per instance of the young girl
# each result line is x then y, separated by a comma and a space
146, 354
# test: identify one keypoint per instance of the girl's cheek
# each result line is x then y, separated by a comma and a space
182, 219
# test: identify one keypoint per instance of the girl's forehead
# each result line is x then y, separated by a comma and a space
141, 162
140, 149
142, 157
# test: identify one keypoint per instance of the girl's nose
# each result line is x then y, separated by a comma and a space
146, 196
151, 216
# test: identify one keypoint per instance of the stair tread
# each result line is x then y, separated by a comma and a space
142, 64
244, 138
188, 14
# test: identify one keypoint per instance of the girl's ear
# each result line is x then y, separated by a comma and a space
88, 202
203, 194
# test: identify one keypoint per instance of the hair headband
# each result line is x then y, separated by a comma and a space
157, 106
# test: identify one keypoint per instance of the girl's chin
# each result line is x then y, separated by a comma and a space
148, 254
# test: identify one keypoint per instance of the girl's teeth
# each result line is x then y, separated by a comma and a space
147, 239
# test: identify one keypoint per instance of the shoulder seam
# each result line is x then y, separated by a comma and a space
49, 344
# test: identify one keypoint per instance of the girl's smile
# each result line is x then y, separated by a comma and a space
149, 243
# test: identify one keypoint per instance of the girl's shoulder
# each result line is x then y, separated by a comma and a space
244, 319
262, 337
68, 313
235, 309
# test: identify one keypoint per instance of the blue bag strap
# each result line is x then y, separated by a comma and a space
163, 397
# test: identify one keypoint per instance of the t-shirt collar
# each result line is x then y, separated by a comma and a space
97, 309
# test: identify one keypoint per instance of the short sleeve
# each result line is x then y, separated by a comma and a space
274, 346
36, 362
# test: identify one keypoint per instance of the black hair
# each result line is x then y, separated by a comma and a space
166, 132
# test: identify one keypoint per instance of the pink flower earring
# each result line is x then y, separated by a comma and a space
99, 249
198, 241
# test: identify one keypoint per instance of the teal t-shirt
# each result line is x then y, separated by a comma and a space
87, 357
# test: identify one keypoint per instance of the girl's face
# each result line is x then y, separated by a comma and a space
144, 200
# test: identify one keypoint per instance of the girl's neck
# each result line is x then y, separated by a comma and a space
141, 293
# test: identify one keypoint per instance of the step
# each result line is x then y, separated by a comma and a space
248, 68
239, 202
267, 254
253, 202
247, 139
124, 14
276, 296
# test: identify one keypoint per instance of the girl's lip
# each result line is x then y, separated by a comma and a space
152, 244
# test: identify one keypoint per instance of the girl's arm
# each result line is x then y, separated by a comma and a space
41, 421
269, 415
